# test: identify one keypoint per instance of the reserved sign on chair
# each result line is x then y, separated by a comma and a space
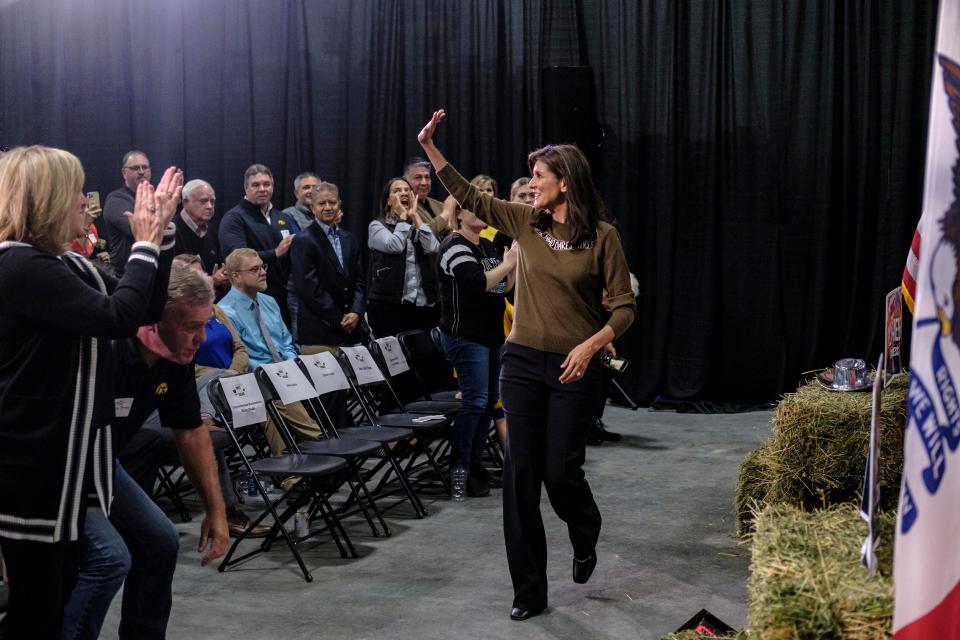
288, 380
246, 402
363, 364
393, 355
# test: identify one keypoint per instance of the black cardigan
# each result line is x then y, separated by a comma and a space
56, 393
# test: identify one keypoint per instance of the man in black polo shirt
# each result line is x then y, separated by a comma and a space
138, 544
134, 169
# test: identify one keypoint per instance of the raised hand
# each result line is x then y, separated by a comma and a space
449, 211
168, 194
425, 137
145, 222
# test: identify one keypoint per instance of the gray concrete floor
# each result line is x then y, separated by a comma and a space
666, 550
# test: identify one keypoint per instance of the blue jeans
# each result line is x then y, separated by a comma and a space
478, 374
137, 544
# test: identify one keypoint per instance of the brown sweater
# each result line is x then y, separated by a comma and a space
559, 288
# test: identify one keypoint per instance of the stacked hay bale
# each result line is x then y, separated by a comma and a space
816, 454
806, 579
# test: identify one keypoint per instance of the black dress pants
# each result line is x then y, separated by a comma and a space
42, 576
547, 428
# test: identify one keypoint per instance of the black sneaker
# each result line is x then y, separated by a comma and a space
493, 479
477, 488
604, 435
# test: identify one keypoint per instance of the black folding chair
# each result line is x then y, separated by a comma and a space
369, 384
392, 359
354, 450
429, 363
331, 375
319, 477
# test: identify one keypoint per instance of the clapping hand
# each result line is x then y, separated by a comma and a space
167, 195
145, 224
511, 255
219, 275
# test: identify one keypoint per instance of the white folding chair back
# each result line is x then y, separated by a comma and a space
393, 355
325, 372
243, 395
364, 366
289, 381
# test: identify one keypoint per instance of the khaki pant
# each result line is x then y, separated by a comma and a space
300, 422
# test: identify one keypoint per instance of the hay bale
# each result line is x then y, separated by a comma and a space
806, 579
816, 454
752, 487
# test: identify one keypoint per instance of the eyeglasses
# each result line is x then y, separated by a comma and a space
257, 269
138, 168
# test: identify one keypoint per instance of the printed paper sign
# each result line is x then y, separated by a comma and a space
393, 355
326, 373
363, 364
892, 335
245, 400
289, 382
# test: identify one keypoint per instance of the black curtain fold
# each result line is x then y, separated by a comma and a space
762, 160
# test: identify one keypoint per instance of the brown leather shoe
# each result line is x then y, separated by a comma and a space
238, 522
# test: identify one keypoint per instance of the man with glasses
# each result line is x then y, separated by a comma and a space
256, 317
134, 169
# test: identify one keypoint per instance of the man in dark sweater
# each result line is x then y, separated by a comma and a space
196, 229
254, 224
134, 169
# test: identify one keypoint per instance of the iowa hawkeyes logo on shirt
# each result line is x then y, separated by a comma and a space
281, 221
162, 388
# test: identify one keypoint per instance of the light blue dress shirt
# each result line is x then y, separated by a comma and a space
240, 309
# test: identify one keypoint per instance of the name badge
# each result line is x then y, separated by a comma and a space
122, 407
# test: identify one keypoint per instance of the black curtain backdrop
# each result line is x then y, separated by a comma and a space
763, 160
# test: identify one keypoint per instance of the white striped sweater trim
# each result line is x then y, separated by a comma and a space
66, 526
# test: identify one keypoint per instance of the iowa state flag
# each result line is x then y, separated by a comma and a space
926, 567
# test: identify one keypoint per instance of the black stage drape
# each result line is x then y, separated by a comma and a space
763, 160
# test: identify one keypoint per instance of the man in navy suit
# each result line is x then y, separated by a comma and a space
255, 224
327, 277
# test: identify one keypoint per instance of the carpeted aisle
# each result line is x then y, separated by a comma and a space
666, 494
